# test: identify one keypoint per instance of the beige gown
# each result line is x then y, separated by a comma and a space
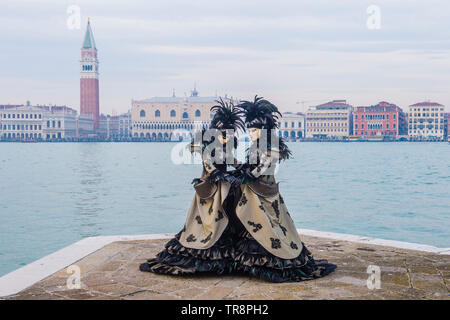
207, 218
264, 214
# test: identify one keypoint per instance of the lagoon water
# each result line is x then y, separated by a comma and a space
53, 194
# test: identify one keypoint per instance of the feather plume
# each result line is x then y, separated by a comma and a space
227, 116
260, 113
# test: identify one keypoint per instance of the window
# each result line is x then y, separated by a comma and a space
142, 113
185, 115
173, 113
157, 113
197, 113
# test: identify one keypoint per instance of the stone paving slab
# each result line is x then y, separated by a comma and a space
112, 273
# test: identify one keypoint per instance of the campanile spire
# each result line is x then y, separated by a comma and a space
89, 72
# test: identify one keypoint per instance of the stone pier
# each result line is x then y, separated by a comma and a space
112, 272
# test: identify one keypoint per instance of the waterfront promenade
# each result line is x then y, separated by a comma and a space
111, 272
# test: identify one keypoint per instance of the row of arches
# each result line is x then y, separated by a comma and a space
173, 114
177, 136
87, 68
169, 126
164, 136
292, 134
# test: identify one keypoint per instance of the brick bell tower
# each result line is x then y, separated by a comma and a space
89, 96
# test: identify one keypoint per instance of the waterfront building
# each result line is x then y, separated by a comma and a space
26, 122
329, 120
60, 123
125, 125
171, 118
292, 126
85, 127
381, 120
22, 122
89, 74
113, 127
447, 126
426, 121
108, 127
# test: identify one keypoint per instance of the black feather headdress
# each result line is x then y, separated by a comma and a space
227, 116
260, 113
264, 115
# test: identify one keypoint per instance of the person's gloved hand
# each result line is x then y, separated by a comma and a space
215, 176
234, 181
196, 180
244, 174
247, 175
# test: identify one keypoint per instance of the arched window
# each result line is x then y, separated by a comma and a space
197, 113
211, 115
157, 113
173, 113
185, 115
142, 113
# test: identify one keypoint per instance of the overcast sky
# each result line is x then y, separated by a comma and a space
286, 51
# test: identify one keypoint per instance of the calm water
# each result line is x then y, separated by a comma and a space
54, 194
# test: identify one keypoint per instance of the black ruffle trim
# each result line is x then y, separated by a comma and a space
254, 260
176, 259
239, 253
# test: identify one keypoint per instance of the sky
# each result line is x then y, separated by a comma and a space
295, 53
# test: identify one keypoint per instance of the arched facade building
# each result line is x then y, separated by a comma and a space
170, 118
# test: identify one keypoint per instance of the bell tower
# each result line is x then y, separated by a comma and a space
89, 90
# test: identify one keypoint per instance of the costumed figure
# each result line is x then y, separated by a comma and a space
269, 247
205, 244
